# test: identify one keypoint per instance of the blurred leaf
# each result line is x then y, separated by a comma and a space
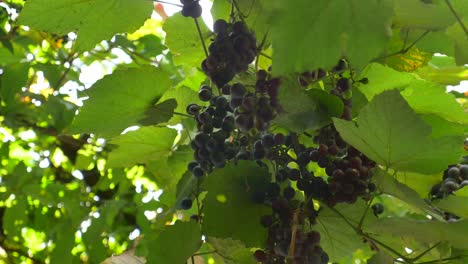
13, 79
187, 237
234, 251
229, 202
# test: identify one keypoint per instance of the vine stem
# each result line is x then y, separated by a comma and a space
241, 16
361, 221
201, 37
405, 49
293, 236
460, 21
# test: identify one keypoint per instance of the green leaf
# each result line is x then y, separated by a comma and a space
325, 30
141, 146
338, 239
381, 257
159, 113
459, 37
14, 77
234, 251
6, 57
422, 230
388, 185
119, 100
428, 16
184, 96
168, 171
228, 203
62, 17
187, 237
301, 110
421, 183
429, 98
15, 217
457, 205
183, 40
383, 78
390, 133
61, 111
64, 243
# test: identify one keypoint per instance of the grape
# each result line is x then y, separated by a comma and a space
464, 171
453, 172
204, 95
268, 141
273, 190
377, 208
192, 165
221, 102
192, 10
451, 186
294, 174
192, 109
260, 256
220, 26
463, 183
266, 220
197, 171
343, 84
186, 203
238, 90
262, 75
289, 193
341, 66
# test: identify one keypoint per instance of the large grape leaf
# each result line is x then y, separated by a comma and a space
175, 244
325, 30
93, 21
183, 40
428, 231
229, 209
458, 35
457, 205
120, 100
383, 78
388, 185
338, 239
424, 97
429, 98
306, 110
231, 251
141, 146
390, 133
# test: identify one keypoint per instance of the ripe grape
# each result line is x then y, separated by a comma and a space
186, 203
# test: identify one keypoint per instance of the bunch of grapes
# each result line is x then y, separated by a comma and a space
191, 8
454, 178
254, 108
232, 50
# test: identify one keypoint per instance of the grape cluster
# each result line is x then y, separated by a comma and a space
254, 108
349, 170
454, 178
191, 8
232, 50
287, 241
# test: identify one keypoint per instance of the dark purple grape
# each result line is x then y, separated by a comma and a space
377, 208
192, 109
220, 26
205, 95
268, 141
289, 193
186, 203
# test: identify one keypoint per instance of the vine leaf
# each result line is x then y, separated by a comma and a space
390, 133
326, 30
428, 231
120, 100
338, 239
141, 146
82, 17
229, 209
457, 205
183, 40
162, 249
231, 251
387, 184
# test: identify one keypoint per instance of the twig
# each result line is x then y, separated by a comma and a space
201, 37
361, 221
457, 17
404, 49
71, 57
